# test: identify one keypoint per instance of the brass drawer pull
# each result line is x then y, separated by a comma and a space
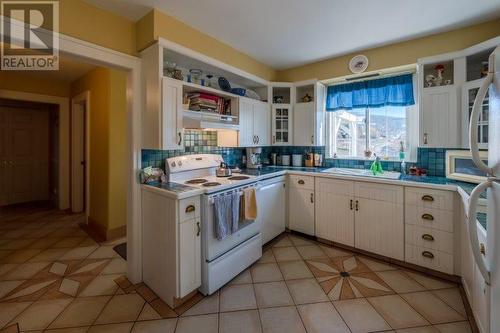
427, 217
482, 249
190, 209
428, 237
428, 254
301, 182
427, 198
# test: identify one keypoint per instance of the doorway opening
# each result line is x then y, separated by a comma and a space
29, 156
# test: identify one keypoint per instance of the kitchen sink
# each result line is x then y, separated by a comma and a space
363, 173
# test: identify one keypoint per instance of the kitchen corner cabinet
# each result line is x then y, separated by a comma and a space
255, 123
309, 117
282, 120
162, 112
439, 117
301, 204
172, 253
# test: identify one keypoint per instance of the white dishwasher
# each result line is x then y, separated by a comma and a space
271, 207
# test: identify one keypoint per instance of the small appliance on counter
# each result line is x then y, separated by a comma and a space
318, 160
254, 158
309, 160
223, 170
297, 160
285, 160
273, 158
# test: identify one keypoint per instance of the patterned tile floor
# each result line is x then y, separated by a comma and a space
54, 278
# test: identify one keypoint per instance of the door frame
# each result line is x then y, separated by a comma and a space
63, 111
95, 54
83, 98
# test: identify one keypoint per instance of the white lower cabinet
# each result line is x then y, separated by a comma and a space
189, 256
301, 205
481, 291
367, 216
379, 219
429, 228
172, 254
334, 210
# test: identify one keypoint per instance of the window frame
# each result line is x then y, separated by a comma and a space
411, 145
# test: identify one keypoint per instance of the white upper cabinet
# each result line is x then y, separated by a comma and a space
255, 123
440, 118
262, 123
282, 118
162, 113
171, 115
309, 114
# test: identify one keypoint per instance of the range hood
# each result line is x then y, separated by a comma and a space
207, 120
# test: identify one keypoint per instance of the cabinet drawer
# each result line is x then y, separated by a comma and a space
436, 260
299, 181
429, 198
189, 208
429, 238
379, 192
429, 218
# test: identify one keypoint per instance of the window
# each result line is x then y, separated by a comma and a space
380, 130
372, 117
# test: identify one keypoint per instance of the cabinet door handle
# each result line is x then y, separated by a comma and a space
427, 254
426, 136
301, 182
428, 237
312, 197
180, 138
274, 138
258, 139
312, 139
427, 198
482, 249
357, 205
350, 204
190, 209
198, 228
427, 217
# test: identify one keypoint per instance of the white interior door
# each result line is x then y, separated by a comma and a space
78, 158
26, 148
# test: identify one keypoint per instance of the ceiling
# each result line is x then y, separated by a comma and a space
289, 33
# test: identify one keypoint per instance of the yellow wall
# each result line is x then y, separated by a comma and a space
27, 82
83, 21
107, 145
397, 54
158, 24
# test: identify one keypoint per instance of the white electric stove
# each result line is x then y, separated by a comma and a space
222, 259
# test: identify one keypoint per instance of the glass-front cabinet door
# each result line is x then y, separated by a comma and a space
470, 90
282, 125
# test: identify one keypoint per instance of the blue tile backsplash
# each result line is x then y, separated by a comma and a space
197, 142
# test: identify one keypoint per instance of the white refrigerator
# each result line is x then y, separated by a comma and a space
489, 265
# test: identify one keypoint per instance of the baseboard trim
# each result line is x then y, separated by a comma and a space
102, 234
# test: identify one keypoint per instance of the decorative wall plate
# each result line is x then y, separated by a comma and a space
358, 64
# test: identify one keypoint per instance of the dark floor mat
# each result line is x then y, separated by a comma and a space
121, 249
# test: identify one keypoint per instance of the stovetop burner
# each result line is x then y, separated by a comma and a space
238, 178
197, 181
210, 184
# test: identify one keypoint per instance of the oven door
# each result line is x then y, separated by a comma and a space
214, 248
